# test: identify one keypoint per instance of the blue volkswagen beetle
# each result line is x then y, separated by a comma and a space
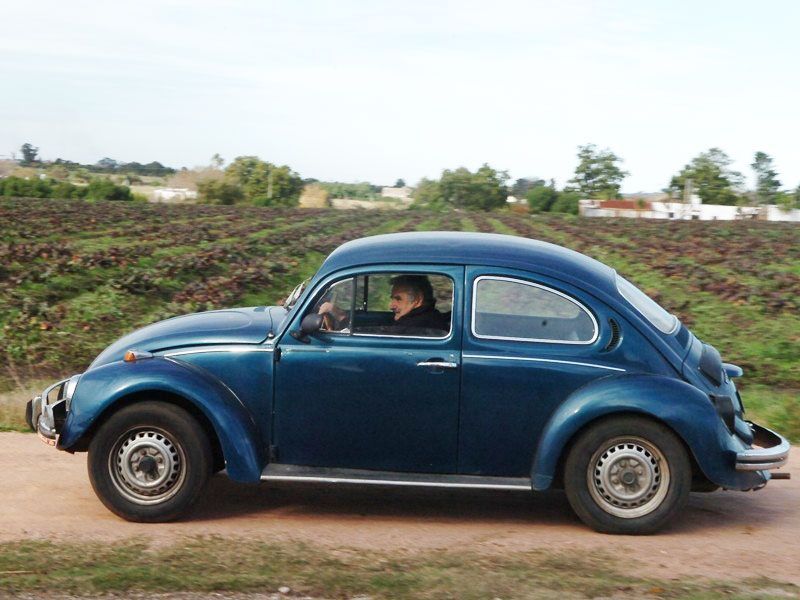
458, 360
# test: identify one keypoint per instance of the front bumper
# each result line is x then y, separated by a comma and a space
772, 451
46, 413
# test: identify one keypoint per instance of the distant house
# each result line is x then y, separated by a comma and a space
644, 207
400, 193
173, 195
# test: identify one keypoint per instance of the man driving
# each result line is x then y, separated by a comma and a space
412, 304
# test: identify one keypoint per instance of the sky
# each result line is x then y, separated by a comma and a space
376, 91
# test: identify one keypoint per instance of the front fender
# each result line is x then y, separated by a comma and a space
681, 406
101, 387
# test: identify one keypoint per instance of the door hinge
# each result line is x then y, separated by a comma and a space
276, 355
273, 453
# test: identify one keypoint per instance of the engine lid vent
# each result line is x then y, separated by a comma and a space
616, 336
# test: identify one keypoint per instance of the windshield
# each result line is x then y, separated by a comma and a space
291, 299
649, 308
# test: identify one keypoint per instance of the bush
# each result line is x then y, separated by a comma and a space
215, 191
103, 189
567, 202
541, 198
98, 189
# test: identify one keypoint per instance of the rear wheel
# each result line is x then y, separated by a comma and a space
627, 475
149, 462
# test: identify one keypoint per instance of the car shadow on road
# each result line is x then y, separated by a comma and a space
225, 498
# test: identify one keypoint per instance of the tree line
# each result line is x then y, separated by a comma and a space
30, 157
598, 175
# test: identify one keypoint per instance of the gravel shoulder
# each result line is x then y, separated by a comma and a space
730, 535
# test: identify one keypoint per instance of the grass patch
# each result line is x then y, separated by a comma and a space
12, 404
214, 564
775, 408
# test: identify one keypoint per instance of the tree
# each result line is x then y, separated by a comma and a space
485, 189
400, 183
428, 192
217, 161
541, 198
522, 186
29, 153
263, 183
767, 184
107, 164
598, 174
712, 179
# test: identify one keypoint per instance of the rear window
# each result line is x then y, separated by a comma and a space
648, 307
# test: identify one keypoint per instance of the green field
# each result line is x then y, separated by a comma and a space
74, 276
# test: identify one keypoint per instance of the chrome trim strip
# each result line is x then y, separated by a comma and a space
766, 466
438, 484
544, 360
227, 348
535, 340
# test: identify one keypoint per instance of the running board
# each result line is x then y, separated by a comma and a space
278, 472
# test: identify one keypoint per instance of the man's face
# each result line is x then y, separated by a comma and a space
403, 302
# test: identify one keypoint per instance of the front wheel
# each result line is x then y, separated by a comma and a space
627, 475
149, 462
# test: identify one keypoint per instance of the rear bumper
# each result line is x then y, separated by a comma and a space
771, 451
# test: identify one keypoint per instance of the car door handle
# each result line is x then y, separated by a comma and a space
438, 363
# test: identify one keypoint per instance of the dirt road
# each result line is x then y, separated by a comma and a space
46, 494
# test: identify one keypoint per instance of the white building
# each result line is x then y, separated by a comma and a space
401, 193
173, 195
693, 210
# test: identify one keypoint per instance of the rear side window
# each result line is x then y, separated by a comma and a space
512, 309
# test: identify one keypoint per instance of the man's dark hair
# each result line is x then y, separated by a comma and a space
418, 285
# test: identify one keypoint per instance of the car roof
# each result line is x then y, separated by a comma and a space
462, 248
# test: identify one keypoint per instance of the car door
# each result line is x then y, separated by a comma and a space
529, 342
364, 397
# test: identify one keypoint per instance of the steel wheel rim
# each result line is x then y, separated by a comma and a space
147, 466
628, 477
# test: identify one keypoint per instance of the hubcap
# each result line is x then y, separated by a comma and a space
147, 466
628, 477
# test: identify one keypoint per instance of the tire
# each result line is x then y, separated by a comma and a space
627, 475
149, 462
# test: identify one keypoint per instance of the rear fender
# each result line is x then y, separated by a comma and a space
679, 405
100, 389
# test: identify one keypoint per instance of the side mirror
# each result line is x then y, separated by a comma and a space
310, 324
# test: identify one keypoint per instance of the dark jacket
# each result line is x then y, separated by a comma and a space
423, 320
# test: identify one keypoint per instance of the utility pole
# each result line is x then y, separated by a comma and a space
687, 197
